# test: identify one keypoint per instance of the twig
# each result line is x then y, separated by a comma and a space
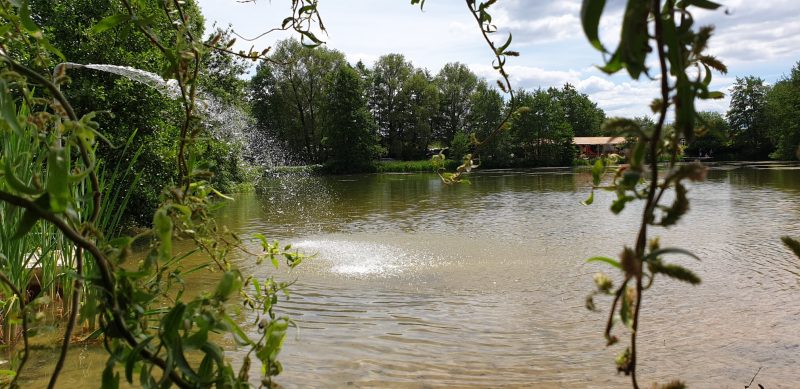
754, 378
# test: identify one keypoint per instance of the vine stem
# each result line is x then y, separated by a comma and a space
652, 201
106, 278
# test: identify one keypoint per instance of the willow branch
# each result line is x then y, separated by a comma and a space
501, 68
105, 274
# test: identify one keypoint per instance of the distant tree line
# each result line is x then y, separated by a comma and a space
324, 110
762, 122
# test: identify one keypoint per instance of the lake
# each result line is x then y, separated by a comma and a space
419, 284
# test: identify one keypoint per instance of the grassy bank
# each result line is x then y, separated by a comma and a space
410, 166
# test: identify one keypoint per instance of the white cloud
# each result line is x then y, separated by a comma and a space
759, 38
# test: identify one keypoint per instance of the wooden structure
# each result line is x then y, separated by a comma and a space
593, 146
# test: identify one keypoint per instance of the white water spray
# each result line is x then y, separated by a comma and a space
225, 122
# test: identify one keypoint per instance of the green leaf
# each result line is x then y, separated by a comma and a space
705, 4
610, 261
589, 200
669, 250
591, 10
133, 358
792, 244
162, 225
9, 109
674, 271
110, 380
109, 22
633, 45
625, 313
231, 282
503, 48
239, 335
25, 18
14, 182
29, 218
58, 178
597, 172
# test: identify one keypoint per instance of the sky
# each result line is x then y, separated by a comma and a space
758, 38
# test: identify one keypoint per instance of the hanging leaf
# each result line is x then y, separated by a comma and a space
792, 244
162, 225
109, 23
591, 10
607, 260
29, 218
58, 178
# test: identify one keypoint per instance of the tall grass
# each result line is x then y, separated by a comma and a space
35, 262
41, 263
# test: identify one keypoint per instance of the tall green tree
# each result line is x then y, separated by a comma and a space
783, 116
69, 24
389, 76
349, 128
456, 83
485, 114
289, 93
542, 135
418, 103
712, 136
747, 117
583, 114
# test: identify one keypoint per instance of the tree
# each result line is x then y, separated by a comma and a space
385, 101
289, 92
747, 117
783, 116
542, 135
418, 101
455, 83
349, 134
485, 114
712, 136
583, 114
68, 25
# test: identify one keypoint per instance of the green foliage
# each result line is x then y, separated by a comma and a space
289, 93
459, 146
54, 178
485, 114
541, 135
782, 102
747, 117
412, 166
712, 137
456, 84
583, 115
349, 130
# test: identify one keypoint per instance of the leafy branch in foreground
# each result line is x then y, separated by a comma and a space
480, 12
149, 325
684, 72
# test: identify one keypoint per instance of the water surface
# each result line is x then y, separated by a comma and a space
417, 284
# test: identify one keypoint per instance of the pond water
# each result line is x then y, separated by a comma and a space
417, 284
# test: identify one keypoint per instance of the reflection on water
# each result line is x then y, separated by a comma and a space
417, 284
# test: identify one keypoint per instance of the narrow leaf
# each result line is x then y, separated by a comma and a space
610, 261
591, 10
